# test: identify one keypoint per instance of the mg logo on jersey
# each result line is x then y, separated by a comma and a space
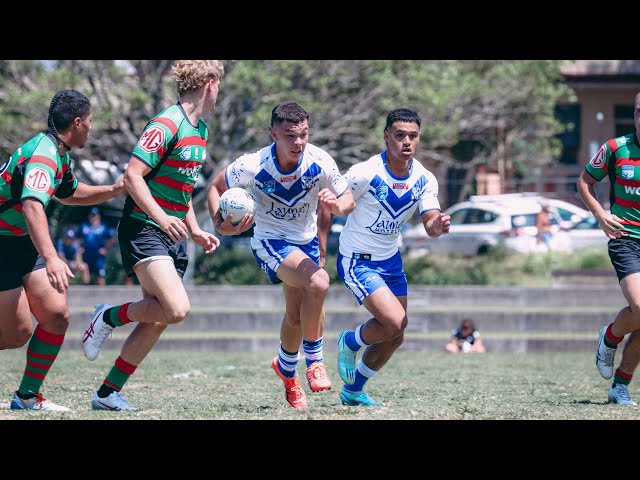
598, 159
185, 154
38, 180
400, 186
152, 139
381, 192
627, 171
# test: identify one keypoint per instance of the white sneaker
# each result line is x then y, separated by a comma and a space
97, 332
115, 401
604, 356
620, 395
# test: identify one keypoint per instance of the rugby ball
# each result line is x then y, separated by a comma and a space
236, 201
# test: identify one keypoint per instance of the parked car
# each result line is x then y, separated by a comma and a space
477, 227
569, 213
587, 233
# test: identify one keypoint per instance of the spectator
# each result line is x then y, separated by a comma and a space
70, 252
96, 239
543, 224
465, 339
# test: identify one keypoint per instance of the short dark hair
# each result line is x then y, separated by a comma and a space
402, 115
65, 106
288, 112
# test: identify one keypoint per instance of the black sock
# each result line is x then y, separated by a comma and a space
106, 317
27, 396
105, 390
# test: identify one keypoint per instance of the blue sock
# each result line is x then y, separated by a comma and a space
287, 362
312, 351
363, 373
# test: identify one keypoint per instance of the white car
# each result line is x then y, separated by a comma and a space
587, 233
477, 227
569, 213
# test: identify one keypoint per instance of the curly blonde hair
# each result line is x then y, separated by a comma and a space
193, 74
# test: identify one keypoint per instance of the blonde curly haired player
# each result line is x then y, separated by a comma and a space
156, 221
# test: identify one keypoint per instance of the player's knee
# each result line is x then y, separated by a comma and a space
178, 313
57, 321
319, 283
17, 339
394, 327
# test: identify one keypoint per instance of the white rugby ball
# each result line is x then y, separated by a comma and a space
236, 201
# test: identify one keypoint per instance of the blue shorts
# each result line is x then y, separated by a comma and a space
625, 256
363, 277
271, 253
140, 241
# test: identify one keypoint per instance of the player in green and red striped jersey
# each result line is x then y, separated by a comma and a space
33, 279
619, 159
156, 220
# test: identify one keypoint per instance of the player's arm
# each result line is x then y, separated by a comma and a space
91, 194
58, 272
325, 219
341, 206
137, 187
435, 222
610, 224
224, 227
208, 241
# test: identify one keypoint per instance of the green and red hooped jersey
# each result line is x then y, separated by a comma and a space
175, 150
35, 170
623, 154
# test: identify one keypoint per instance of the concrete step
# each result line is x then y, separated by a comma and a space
252, 297
419, 321
260, 344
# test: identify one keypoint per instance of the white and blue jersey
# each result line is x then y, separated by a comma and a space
383, 203
286, 202
369, 256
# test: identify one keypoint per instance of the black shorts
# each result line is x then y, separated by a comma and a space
18, 257
625, 256
140, 241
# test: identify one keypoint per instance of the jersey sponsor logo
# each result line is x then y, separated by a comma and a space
289, 213
290, 178
52, 151
631, 190
598, 159
628, 171
400, 186
152, 139
38, 180
386, 227
190, 171
185, 154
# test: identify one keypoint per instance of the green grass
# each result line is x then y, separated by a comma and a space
174, 385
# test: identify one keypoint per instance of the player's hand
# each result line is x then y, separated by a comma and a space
441, 224
328, 200
118, 187
228, 228
58, 274
174, 227
612, 226
208, 241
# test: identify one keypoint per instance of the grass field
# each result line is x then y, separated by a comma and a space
189, 385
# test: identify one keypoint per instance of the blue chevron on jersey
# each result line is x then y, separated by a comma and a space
384, 203
286, 202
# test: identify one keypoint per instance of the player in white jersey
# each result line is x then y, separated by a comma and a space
289, 180
388, 189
